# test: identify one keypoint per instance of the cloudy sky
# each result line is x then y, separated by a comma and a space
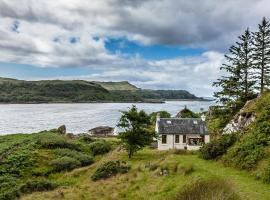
164, 44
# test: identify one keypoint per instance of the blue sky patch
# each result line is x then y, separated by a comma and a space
150, 52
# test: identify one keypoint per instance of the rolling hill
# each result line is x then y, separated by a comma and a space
68, 91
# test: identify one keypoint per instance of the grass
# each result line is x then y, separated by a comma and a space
28, 159
141, 182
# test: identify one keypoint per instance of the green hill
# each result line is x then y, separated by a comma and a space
57, 91
49, 165
249, 147
123, 85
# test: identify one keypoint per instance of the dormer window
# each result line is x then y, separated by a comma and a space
195, 122
169, 122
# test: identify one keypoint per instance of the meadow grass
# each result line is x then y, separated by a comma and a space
144, 182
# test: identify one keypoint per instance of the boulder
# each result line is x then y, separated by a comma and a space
62, 129
101, 131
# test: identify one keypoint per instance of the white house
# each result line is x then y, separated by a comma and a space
181, 133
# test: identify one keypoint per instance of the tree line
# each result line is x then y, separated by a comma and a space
247, 67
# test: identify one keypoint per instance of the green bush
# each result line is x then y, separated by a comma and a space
54, 140
10, 194
64, 164
217, 147
37, 186
81, 157
9, 189
86, 139
109, 169
99, 147
209, 189
246, 153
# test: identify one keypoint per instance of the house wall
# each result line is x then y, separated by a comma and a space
172, 145
206, 139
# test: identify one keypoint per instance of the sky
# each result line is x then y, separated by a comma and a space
154, 44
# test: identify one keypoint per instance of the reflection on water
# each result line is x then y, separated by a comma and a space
78, 118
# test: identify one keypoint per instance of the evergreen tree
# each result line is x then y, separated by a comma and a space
237, 86
261, 54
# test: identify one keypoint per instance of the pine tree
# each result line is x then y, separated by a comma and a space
261, 54
230, 84
246, 65
237, 86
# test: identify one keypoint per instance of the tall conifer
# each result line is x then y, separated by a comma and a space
261, 54
237, 86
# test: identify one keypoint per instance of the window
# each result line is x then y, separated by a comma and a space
176, 138
164, 139
184, 138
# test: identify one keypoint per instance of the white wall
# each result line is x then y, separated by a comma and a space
172, 145
206, 139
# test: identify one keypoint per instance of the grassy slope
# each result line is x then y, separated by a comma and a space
123, 85
260, 106
140, 183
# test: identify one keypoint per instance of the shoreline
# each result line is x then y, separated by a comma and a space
105, 102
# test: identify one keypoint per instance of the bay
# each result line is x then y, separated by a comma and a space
78, 117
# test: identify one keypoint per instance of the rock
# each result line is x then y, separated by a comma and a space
101, 131
240, 121
59, 194
62, 129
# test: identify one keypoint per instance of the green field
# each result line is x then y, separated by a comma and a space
141, 183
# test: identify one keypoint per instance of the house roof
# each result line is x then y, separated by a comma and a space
181, 126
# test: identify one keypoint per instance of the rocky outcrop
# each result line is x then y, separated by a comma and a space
62, 129
101, 131
240, 121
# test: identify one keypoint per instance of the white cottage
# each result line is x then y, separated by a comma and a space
181, 133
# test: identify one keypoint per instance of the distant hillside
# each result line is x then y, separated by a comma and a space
59, 91
123, 85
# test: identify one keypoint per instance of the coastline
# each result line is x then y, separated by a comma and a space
150, 101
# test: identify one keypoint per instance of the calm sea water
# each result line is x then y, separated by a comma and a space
78, 118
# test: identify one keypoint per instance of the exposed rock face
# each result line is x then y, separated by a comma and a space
101, 131
62, 129
240, 121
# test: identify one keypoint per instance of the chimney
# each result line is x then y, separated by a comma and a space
158, 116
203, 117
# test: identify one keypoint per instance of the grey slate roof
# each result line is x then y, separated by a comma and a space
181, 126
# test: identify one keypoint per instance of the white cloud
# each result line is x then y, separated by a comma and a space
211, 24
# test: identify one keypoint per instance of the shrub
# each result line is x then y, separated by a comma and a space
86, 139
100, 147
217, 147
109, 169
81, 157
37, 186
10, 194
64, 164
209, 189
8, 187
54, 140
246, 153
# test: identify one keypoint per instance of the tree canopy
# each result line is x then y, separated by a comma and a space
137, 130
